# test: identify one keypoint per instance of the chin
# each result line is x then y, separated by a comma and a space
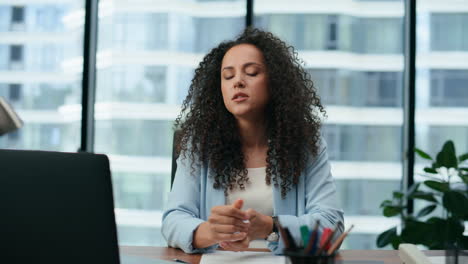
238, 110
241, 114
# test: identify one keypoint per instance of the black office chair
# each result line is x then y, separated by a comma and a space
56, 208
175, 155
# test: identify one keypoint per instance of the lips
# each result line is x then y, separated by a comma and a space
238, 97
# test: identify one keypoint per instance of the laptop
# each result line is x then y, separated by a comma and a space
57, 207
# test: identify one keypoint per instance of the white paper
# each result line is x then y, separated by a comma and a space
227, 257
442, 260
437, 260
260, 243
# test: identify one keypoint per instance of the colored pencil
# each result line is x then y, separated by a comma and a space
338, 242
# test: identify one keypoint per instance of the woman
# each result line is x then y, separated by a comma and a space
251, 151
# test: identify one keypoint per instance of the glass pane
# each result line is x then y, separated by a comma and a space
40, 64
441, 84
353, 52
147, 53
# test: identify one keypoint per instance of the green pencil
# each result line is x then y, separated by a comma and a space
305, 235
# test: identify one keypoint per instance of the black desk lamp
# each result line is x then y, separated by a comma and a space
9, 120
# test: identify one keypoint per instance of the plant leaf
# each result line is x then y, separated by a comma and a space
438, 230
453, 229
463, 157
464, 242
386, 237
398, 195
464, 178
416, 232
435, 220
390, 211
427, 210
422, 154
447, 156
456, 202
438, 186
430, 170
386, 203
396, 241
413, 188
423, 196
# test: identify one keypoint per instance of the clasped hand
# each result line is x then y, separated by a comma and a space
232, 227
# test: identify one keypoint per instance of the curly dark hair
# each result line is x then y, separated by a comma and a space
209, 131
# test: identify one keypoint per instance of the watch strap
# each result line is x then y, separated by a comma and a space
275, 224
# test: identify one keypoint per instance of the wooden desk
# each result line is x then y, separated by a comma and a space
387, 256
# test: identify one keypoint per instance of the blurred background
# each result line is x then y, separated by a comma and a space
148, 50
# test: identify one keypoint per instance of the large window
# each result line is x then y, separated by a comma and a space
354, 56
148, 50
442, 92
35, 43
147, 53
441, 85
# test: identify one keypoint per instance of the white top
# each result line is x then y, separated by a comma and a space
256, 194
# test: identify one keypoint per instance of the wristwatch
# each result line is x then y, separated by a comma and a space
274, 236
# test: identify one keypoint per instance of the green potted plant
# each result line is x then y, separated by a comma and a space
444, 190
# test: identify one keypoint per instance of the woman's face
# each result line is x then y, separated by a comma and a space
244, 82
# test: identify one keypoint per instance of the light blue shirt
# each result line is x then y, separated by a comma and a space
193, 196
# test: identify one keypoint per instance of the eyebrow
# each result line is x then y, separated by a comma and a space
244, 66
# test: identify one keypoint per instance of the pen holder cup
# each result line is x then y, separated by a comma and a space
299, 257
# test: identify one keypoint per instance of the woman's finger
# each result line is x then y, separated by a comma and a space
227, 210
228, 229
238, 245
230, 237
225, 220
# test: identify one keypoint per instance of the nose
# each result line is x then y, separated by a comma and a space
239, 84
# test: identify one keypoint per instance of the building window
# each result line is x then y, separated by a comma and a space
211, 31
377, 35
332, 36
383, 89
313, 31
15, 92
448, 88
440, 134
17, 14
331, 133
449, 32
16, 53
14, 136
362, 143
325, 82
355, 88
